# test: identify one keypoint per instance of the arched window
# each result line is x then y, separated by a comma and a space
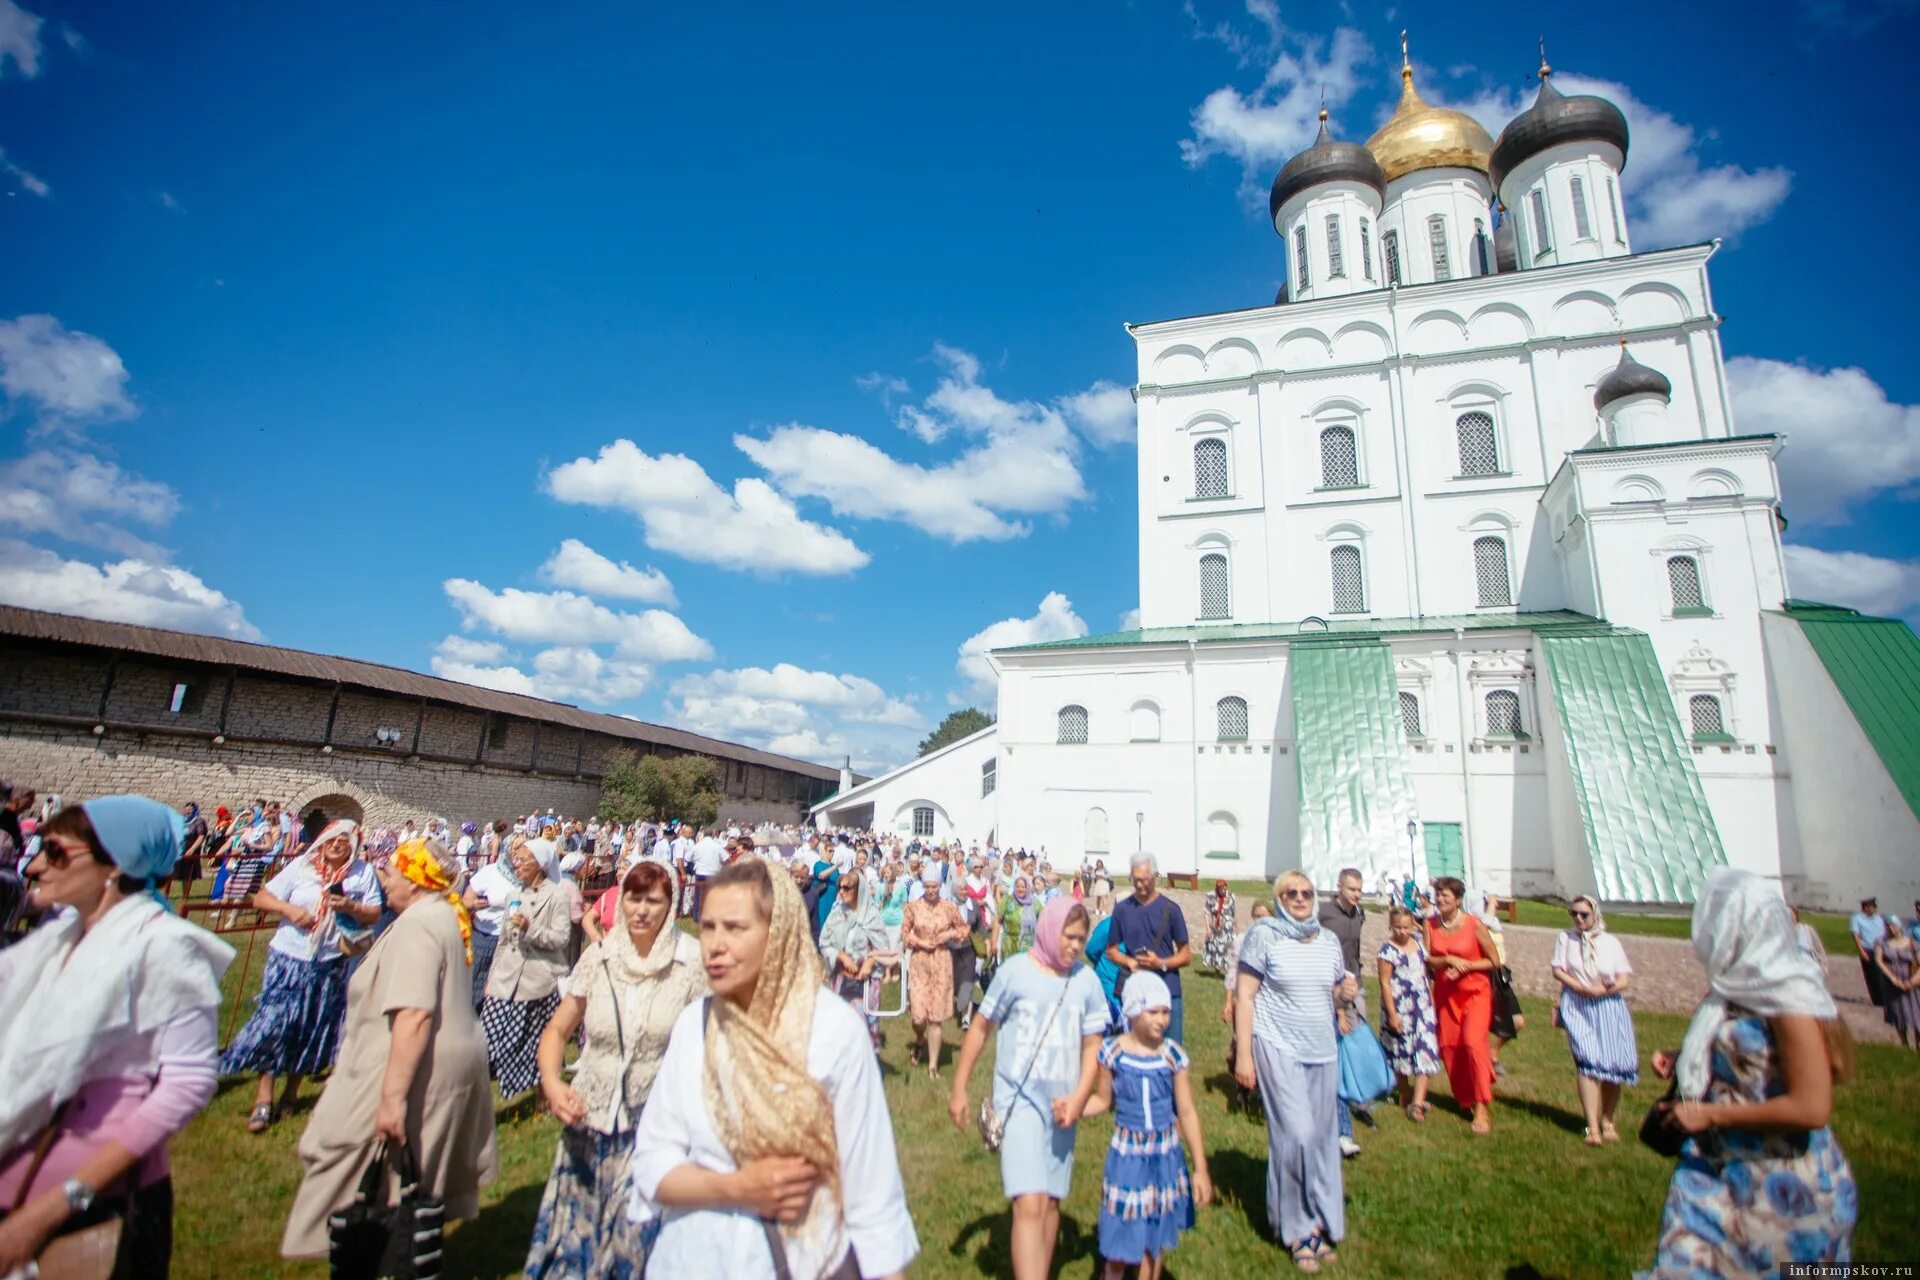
1410, 713
1542, 243
1097, 839
1503, 714
1490, 570
1613, 210
1336, 260
1582, 217
1390, 245
1339, 461
1216, 597
1210, 468
1479, 448
1683, 577
1437, 244
1482, 249
1230, 718
1300, 256
1071, 726
923, 820
1366, 247
1145, 722
1223, 836
1704, 710
1349, 586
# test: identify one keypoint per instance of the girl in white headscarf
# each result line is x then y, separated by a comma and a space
1761, 1181
1591, 967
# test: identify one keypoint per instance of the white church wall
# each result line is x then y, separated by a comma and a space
947, 782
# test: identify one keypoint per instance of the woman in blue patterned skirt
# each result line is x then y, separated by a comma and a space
296, 1024
1591, 967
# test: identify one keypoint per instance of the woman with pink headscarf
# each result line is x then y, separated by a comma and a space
1050, 1014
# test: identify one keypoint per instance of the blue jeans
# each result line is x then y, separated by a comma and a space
1346, 1118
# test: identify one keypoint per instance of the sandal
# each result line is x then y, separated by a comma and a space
1323, 1249
1593, 1139
261, 1118
1305, 1257
1416, 1113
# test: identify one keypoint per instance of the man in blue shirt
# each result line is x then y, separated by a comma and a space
1149, 931
1869, 929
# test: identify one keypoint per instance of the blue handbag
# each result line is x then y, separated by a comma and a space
1364, 1073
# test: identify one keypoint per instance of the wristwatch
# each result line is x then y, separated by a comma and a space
79, 1195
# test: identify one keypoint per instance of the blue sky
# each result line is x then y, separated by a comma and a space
326, 324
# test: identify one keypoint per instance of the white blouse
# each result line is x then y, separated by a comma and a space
1609, 956
675, 1130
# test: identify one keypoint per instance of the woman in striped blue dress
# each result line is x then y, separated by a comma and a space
1593, 973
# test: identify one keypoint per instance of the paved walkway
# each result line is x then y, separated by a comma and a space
1666, 974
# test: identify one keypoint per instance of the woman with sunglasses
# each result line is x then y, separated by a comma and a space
1290, 970
1591, 967
1460, 953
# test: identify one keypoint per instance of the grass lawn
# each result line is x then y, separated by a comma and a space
1422, 1200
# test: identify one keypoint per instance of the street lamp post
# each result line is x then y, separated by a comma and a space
1413, 855
1140, 831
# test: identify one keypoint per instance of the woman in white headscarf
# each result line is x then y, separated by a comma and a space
107, 1050
523, 987
851, 942
1761, 1181
324, 898
765, 1148
1591, 967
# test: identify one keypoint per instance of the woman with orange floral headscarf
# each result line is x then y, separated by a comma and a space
413, 1065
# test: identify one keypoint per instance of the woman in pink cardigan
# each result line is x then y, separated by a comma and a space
110, 1011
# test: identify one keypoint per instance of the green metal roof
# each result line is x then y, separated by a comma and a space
1875, 663
1356, 793
1361, 628
1648, 829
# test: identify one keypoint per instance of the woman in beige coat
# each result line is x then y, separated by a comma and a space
411, 1068
524, 988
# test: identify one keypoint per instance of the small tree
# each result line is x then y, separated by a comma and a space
961, 724
623, 788
657, 788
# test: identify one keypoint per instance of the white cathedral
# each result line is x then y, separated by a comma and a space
1454, 561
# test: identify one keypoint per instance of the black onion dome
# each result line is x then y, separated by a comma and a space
1327, 160
1506, 252
1630, 378
1551, 120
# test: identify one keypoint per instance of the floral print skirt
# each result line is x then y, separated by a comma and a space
584, 1231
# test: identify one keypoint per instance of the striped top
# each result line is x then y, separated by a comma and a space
1293, 1010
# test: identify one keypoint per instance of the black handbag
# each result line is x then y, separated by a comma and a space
373, 1240
1658, 1133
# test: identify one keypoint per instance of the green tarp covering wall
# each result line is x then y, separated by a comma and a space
1648, 829
1355, 792
1875, 663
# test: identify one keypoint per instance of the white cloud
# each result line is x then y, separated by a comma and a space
19, 39
575, 564
814, 715
1054, 620
1130, 620
130, 590
1845, 440
850, 697
564, 673
1104, 412
32, 184
62, 493
1023, 464
69, 374
564, 618
1860, 581
1262, 128
682, 511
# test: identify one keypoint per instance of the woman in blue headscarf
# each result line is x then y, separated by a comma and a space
110, 1010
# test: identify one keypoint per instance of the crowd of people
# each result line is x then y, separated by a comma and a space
723, 1111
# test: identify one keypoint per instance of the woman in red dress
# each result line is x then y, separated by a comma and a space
1460, 954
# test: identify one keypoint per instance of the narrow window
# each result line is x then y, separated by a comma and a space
1542, 243
1146, 722
1300, 257
1339, 461
1366, 247
1349, 586
1704, 710
1215, 599
923, 820
1479, 451
1582, 218
1223, 836
1410, 714
1482, 250
496, 732
1490, 570
1390, 245
187, 698
1683, 576
1613, 211
1503, 714
1210, 468
1336, 261
989, 777
1072, 726
179, 699
1230, 716
1437, 242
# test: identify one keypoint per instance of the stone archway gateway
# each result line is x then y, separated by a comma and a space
334, 805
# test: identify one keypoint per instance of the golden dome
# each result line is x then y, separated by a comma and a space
1424, 137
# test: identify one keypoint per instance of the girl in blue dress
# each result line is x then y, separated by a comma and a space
1146, 1196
